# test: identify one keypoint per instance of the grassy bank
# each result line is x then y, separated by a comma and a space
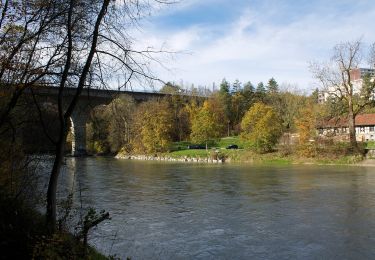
331, 154
247, 156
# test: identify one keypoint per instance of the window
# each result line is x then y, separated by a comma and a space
362, 129
371, 129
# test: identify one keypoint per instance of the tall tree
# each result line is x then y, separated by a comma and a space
29, 52
226, 99
68, 44
95, 51
248, 93
121, 112
272, 86
336, 78
207, 124
153, 126
236, 86
306, 123
260, 91
65, 114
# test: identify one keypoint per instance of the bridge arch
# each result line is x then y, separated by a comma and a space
89, 99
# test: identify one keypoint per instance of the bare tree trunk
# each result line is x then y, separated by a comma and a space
52, 186
351, 123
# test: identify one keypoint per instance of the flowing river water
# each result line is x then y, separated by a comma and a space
201, 211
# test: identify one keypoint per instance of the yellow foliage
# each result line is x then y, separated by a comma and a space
152, 127
261, 127
208, 122
305, 124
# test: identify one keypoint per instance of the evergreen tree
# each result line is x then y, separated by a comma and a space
248, 88
248, 93
273, 87
260, 92
236, 87
261, 89
226, 99
224, 87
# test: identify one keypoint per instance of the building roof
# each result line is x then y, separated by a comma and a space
365, 120
360, 120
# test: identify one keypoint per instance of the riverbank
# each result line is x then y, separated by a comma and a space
247, 156
170, 158
23, 235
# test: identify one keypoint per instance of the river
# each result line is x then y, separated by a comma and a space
201, 211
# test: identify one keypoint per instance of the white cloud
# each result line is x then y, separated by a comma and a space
254, 48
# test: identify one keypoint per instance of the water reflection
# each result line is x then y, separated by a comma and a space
189, 211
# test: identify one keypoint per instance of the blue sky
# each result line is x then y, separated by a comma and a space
253, 40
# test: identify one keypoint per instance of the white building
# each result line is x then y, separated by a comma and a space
356, 75
338, 127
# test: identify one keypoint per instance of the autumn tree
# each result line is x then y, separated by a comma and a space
336, 78
306, 129
72, 44
170, 88
97, 131
238, 108
306, 124
152, 127
29, 54
109, 129
208, 123
261, 126
177, 103
95, 49
288, 105
121, 112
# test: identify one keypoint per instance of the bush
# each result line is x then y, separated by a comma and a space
308, 150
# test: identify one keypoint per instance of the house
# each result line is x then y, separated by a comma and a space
338, 128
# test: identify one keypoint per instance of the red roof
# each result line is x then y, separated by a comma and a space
360, 120
365, 119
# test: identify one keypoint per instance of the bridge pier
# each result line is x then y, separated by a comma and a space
78, 129
88, 99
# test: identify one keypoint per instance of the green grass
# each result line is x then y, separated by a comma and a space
190, 153
370, 145
336, 156
226, 141
221, 143
277, 161
177, 146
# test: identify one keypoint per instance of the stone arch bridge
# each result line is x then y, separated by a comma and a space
89, 99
